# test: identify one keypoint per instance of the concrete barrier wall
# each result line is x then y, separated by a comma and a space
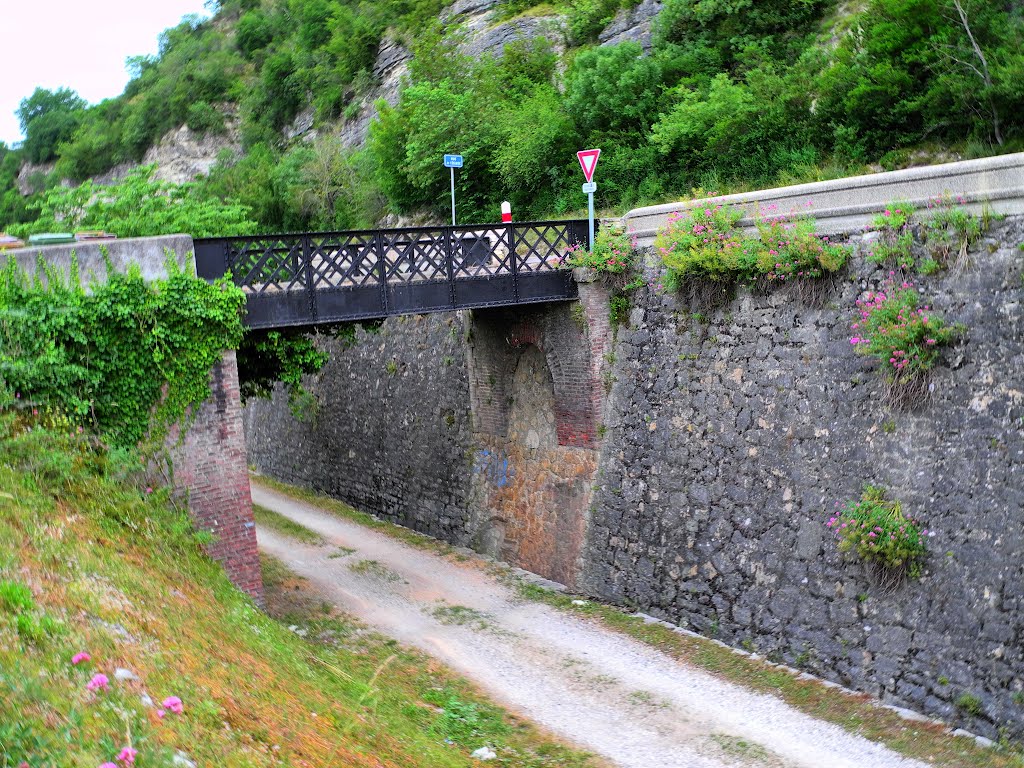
149, 253
846, 205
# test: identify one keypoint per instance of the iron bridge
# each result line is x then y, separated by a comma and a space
323, 277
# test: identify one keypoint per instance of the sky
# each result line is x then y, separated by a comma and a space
77, 44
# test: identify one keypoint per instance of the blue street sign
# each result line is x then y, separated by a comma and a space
590, 187
453, 161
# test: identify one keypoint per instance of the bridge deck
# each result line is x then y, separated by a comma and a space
324, 277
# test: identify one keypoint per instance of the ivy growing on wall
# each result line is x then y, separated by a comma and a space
125, 357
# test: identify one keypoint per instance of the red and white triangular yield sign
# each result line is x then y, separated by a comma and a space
588, 161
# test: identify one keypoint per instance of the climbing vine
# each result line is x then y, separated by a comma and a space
126, 357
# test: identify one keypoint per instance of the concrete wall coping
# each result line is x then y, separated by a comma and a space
845, 205
149, 253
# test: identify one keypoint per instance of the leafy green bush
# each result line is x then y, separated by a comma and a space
202, 118
125, 357
138, 206
48, 118
706, 243
876, 530
791, 249
253, 33
613, 88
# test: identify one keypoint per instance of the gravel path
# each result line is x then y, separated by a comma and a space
593, 687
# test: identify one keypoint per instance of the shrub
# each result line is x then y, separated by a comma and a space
896, 236
613, 252
904, 337
790, 248
706, 243
126, 357
202, 118
951, 231
138, 206
876, 530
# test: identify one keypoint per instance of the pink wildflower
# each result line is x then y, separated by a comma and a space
99, 682
127, 755
78, 658
173, 703
109, 765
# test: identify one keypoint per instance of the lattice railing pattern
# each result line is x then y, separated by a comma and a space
388, 260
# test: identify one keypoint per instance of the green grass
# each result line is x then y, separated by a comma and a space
738, 747
857, 713
93, 563
281, 524
374, 569
461, 615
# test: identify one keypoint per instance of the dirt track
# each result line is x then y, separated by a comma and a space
593, 687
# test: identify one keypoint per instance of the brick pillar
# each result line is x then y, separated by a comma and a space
595, 297
210, 465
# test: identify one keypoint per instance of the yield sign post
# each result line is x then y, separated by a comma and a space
588, 162
451, 162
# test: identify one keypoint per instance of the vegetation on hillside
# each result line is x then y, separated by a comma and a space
120, 640
734, 93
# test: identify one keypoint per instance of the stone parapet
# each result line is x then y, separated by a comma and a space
850, 204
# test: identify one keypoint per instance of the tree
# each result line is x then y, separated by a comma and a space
963, 51
613, 88
47, 118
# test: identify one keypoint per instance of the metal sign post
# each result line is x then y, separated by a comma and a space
590, 188
588, 162
451, 162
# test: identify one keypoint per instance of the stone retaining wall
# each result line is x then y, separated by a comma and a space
733, 435
688, 469
388, 430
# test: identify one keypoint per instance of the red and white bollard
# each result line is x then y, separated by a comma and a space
506, 212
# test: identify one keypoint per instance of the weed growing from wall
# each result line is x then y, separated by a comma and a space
614, 252
906, 338
707, 245
950, 233
875, 529
894, 247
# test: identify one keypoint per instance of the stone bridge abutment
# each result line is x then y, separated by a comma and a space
208, 463
537, 388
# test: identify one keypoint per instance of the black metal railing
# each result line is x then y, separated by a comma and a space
323, 277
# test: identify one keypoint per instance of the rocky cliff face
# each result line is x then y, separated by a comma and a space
184, 155
633, 24
391, 66
483, 34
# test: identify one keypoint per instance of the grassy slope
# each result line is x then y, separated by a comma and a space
857, 713
116, 572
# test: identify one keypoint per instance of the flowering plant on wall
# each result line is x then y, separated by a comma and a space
875, 529
707, 243
613, 253
905, 337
